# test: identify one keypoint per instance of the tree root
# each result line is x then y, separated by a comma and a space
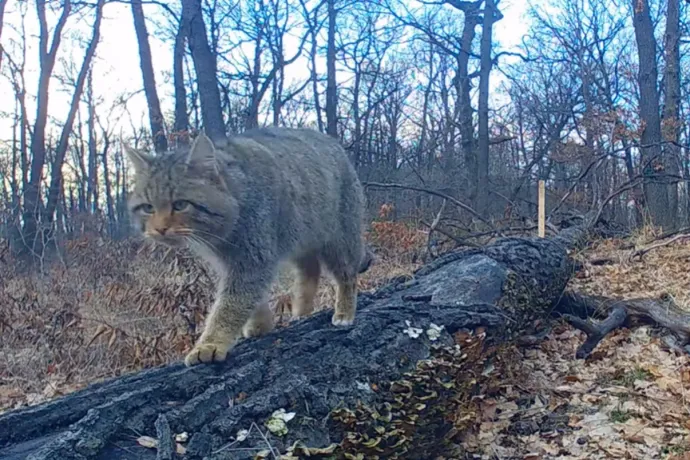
616, 313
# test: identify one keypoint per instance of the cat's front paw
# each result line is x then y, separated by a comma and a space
207, 353
343, 319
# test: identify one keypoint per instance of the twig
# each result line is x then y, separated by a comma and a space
166, 443
458, 241
663, 236
641, 252
628, 186
455, 201
502, 232
576, 182
433, 226
236, 441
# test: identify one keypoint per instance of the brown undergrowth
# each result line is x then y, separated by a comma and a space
114, 307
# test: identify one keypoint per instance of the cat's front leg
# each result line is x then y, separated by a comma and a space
224, 325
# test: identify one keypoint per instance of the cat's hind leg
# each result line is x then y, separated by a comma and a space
308, 270
260, 322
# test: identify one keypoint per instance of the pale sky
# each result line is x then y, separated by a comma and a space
116, 66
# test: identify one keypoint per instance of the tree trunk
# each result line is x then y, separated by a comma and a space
92, 176
3, 4
491, 15
313, 74
464, 86
652, 160
32, 200
309, 367
205, 69
108, 187
671, 121
331, 88
181, 126
160, 141
255, 80
63, 143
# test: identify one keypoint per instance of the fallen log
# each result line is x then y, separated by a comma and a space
308, 368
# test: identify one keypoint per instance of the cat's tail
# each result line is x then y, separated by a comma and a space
367, 259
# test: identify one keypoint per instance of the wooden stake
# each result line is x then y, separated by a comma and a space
542, 209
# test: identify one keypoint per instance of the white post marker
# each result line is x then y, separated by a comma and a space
542, 210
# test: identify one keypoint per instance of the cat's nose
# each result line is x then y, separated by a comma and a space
162, 230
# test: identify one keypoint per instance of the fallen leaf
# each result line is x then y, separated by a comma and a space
148, 442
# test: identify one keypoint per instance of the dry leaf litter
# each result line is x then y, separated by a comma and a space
628, 400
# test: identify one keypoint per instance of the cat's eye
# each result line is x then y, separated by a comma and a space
181, 205
146, 208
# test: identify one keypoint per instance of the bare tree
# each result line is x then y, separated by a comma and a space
205, 67
672, 98
3, 4
92, 179
47, 57
491, 15
331, 85
181, 118
653, 162
314, 25
156, 121
63, 144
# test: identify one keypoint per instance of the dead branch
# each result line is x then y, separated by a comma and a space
458, 241
577, 182
577, 308
623, 188
596, 332
432, 228
455, 201
641, 252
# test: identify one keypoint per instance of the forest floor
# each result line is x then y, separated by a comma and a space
627, 400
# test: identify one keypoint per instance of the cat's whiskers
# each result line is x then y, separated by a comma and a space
197, 240
204, 233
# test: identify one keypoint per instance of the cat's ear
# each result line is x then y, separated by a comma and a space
202, 153
140, 160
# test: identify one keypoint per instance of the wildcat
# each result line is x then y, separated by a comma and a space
266, 196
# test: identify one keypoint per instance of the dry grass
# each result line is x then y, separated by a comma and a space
114, 307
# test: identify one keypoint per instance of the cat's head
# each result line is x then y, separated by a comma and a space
181, 197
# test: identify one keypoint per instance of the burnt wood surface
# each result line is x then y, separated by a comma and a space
309, 367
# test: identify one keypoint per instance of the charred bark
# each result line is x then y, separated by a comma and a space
308, 368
